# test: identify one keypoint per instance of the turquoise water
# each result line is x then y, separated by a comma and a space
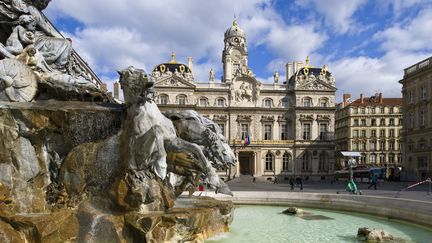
268, 224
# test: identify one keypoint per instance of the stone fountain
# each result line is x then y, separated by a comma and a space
76, 166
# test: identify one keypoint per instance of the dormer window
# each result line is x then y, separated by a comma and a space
181, 99
268, 103
163, 99
203, 102
285, 103
307, 102
220, 102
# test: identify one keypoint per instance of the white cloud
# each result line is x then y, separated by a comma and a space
412, 36
337, 14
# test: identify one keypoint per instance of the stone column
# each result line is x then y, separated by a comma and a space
116, 90
238, 164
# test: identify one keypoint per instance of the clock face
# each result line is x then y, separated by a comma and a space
236, 55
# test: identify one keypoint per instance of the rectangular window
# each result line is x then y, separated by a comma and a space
306, 131
422, 118
382, 122
307, 102
363, 122
163, 99
382, 133
355, 133
244, 130
285, 103
182, 100
356, 122
373, 110
355, 146
363, 110
267, 132
392, 133
391, 122
373, 122
203, 102
391, 145
323, 131
382, 110
383, 145
372, 158
284, 132
363, 133
220, 102
423, 92
373, 145
373, 133
411, 120
355, 111
364, 146
391, 110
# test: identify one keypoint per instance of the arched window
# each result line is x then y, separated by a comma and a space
220, 102
268, 103
306, 165
286, 162
203, 102
307, 102
285, 102
269, 158
181, 99
323, 102
163, 99
322, 166
373, 158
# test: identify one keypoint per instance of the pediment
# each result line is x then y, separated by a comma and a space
173, 81
315, 84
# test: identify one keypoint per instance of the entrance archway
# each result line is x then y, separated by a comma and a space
246, 163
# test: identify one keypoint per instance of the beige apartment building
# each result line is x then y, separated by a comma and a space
290, 122
371, 126
417, 132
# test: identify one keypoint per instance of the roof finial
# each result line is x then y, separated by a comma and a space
235, 20
172, 57
307, 61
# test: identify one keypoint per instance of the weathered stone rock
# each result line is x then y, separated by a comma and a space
373, 235
293, 211
9, 234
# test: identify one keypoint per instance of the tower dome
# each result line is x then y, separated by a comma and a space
234, 30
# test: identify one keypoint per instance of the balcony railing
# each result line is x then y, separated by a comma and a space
262, 142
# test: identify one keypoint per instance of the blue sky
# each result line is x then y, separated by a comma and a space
365, 43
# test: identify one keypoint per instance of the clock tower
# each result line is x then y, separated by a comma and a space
234, 55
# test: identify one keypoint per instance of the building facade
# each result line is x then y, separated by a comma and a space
417, 132
276, 130
371, 126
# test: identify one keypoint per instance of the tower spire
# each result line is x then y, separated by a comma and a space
235, 20
172, 57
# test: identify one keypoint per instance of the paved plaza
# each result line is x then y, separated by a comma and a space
384, 188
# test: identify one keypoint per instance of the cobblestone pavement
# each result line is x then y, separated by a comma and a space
384, 188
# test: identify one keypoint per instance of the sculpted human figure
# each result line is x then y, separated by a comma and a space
20, 37
211, 75
276, 76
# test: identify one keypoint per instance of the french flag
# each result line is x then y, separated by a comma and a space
247, 140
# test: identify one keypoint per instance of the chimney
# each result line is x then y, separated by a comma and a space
289, 71
361, 98
190, 64
346, 99
380, 98
116, 89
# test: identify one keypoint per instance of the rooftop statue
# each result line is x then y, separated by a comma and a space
45, 53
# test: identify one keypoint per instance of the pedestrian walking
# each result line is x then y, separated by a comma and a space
275, 181
253, 179
291, 182
299, 180
373, 181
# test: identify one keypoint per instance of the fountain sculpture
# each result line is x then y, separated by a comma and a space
73, 170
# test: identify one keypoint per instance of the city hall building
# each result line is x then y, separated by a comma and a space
275, 129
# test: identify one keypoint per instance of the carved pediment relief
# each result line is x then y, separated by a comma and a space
173, 81
283, 119
304, 117
244, 118
267, 119
220, 118
323, 117
245, 90
314, 85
